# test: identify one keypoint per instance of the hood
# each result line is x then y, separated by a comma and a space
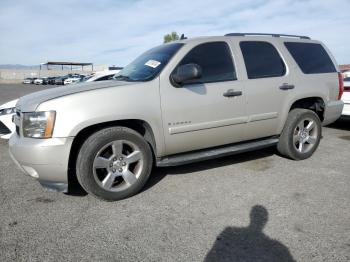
9, 104
30, 102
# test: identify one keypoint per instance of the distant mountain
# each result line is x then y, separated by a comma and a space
18, 66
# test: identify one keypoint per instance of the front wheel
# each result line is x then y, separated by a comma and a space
301, 134
114, 163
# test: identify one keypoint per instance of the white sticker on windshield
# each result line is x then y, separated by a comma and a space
152, 63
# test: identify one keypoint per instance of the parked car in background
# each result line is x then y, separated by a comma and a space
38, 81
33, 79
51, 80
7, 127
27, 80
346, 73
346, 98
41, 81
101, 76
73, 79
60, 80
180, 102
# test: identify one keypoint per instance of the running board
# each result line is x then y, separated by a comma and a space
190, 157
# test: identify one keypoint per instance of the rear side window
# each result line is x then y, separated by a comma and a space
311, 58
215, 60
262, 59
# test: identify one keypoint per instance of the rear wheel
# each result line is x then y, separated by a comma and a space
114, 163
301, 134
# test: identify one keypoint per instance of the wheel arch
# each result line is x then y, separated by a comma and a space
138, 125
314, 103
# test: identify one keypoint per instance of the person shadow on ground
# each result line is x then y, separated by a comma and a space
248, 243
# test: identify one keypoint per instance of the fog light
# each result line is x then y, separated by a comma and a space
31, 171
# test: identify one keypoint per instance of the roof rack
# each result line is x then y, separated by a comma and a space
267, 34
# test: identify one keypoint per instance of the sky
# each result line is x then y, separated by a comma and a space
115, 32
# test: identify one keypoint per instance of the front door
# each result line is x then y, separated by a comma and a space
206, 112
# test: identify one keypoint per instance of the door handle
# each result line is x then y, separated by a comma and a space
231, 92
286, 86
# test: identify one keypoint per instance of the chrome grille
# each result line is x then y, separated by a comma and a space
3, 129
18, 116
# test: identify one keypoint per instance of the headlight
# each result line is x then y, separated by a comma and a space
38, 124
7, 111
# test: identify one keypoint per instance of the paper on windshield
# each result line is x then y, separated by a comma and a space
152, 63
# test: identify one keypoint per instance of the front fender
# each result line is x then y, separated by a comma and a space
78, 111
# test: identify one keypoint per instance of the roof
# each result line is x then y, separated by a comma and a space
250, 36
267, 34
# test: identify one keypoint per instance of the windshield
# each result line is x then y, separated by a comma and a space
148, 65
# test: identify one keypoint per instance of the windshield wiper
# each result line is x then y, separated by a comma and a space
123, 78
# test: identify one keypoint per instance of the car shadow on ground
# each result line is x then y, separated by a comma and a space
248, 243
342, 123
160, 172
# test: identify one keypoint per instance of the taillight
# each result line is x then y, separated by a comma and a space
341, 85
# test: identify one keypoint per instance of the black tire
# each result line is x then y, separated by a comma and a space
91, 147
286, 145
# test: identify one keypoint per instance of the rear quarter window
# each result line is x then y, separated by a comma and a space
311, 58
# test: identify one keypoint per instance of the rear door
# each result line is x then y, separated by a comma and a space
268, 86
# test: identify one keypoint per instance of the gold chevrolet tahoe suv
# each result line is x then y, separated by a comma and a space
177, 103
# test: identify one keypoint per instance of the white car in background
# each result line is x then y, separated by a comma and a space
346, 98
346, 73
101, 76
40, 81
7, 127
27, 80
71, 80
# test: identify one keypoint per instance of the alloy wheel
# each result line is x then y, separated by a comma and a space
305, 135
118, 165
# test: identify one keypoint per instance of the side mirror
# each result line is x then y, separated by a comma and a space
186, 72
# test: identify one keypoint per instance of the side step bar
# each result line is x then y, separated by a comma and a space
190, 157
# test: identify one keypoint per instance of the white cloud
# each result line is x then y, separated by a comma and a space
114, 32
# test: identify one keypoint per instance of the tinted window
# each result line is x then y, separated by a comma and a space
311, 58
215, 60
262, 60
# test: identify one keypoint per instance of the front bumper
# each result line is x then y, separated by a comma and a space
44, 159
333, 111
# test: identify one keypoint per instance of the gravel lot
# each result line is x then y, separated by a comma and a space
251, 207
